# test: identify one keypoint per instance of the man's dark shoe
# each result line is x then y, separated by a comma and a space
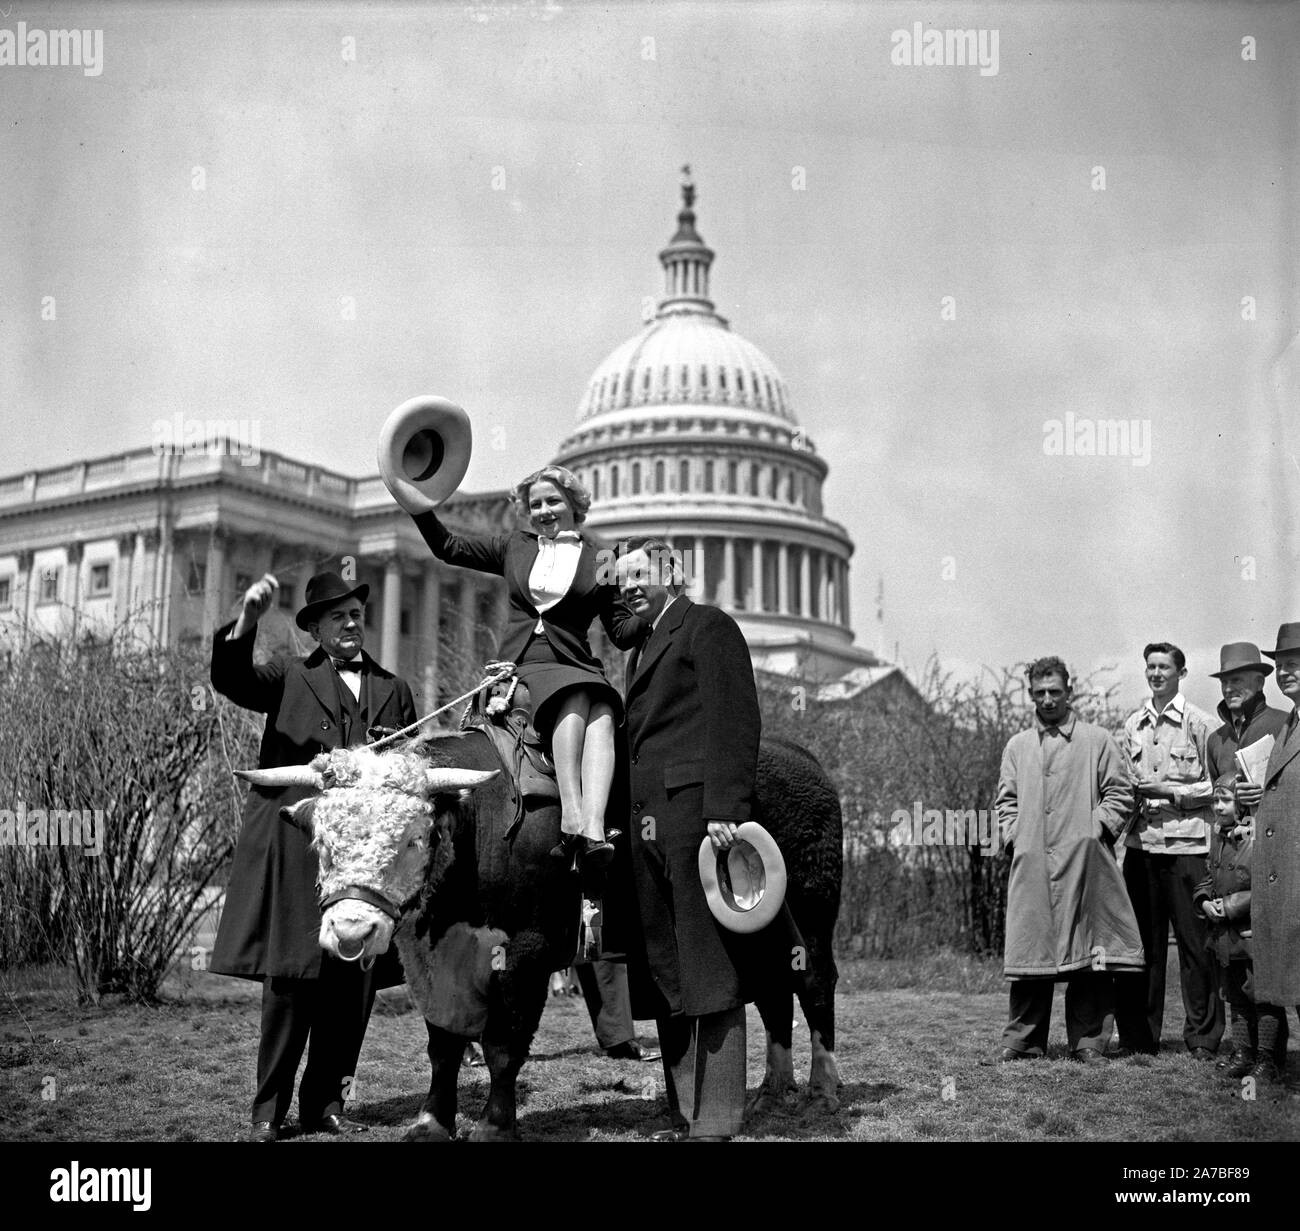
1265, 1072
631, 1050
1237, 1063
263, 1130
670, 1134
1087, 1055
1203, 1054
1008, 1054
335, 1126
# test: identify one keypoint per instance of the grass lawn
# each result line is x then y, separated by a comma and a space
915, 1049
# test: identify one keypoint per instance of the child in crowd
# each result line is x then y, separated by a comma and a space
1224, 898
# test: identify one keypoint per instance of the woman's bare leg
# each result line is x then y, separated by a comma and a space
568, 737
597, 768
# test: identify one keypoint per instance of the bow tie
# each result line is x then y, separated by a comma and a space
346, 664
565, 536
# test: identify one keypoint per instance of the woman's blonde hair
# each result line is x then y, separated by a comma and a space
575, 493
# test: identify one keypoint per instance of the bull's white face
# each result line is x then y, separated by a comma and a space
352, 929
373, 828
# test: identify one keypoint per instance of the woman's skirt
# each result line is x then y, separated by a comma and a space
548, 680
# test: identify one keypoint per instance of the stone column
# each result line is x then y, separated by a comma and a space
122, 570
467, 602
844, 593
700, 588
783, 578
26, 564
389, 641
163, 566
427, 631
755, 602
726, 597
73, 587
805, 582
214, 577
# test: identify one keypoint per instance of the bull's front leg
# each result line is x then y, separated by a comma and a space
515, 1007
437, 1118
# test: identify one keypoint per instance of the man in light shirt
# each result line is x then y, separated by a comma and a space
1166, 741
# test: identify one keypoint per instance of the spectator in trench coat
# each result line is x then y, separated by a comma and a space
1064, 799
271, 921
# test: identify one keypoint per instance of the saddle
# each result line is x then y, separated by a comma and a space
503, 711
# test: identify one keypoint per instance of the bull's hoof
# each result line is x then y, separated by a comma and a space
483, 1131
426, 1130
820, 1103
771, 1098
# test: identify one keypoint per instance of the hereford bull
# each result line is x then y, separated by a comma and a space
430, 846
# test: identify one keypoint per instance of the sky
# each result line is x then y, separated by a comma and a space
306, 214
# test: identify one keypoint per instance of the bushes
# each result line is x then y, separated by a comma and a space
132, 747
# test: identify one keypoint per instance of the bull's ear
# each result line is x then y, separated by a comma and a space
300, 814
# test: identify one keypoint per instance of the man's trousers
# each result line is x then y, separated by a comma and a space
1160, 888
1088, 999
704, 1068
604, 987
328, 1017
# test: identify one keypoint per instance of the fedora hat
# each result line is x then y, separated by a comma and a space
423, 452
1288, 638
324, 590
745, 884
1240, 656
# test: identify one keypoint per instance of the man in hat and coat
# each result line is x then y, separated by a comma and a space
271, 919
693, 730
1246, 715
1275, 872
1064, 799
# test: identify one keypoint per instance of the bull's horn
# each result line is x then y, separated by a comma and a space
283, 775
444, 781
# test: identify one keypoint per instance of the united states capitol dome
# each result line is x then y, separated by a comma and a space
688, 354
686, 432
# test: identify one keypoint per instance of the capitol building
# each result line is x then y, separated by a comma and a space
686, 431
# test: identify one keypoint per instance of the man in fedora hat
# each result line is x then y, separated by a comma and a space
1164, 860
1247, 716
693, 730
271, 918
1275, 872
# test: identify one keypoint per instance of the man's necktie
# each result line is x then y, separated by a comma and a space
347, 664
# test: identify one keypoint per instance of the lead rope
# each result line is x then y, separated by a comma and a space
496, 672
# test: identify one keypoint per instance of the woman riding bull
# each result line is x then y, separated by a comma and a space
558, 583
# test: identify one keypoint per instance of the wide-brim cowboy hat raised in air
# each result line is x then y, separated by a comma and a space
745, 884
1288, 639
423, 452
323, 591
1240, 656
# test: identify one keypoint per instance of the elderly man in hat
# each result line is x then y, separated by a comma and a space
271, 919
1164, 859
1275, 872
693, 730
1064, 798
1247, 717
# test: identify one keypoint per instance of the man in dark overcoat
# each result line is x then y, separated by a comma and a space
693, 730
271, 919
1275, 873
